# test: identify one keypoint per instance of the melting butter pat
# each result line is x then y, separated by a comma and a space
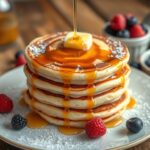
80, 40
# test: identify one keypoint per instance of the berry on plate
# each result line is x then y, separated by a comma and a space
95, 128
123, 34
118, 22
20, 61
6, 104
136, 31
18, 53
134, 125
18, 122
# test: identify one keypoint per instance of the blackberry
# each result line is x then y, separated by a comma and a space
18, 122
110, 31
131, 21
18, 53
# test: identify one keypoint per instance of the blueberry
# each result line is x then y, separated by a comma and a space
135, 65
123, 34
147, 62
18, 122
131, 21
110, 31
134, 125
144, 28
18, 53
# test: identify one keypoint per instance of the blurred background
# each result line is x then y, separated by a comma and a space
23, 20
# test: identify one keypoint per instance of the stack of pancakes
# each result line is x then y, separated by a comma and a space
68, 87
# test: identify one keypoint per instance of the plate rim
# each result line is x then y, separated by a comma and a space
126, 146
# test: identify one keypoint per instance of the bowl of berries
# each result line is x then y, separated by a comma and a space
127, 29
145, 61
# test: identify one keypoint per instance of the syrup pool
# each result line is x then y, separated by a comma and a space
35, 121
69, 130
132, 103
114, 123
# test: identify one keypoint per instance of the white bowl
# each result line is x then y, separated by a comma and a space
136, 46
143, 58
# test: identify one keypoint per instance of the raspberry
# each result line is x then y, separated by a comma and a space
118, 22
95, 128
136, 31
18, 122
21, 61
6, 104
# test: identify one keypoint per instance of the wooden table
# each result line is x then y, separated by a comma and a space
39, 17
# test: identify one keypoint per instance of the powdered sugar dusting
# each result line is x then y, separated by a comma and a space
142, 110
38, 48
117, 48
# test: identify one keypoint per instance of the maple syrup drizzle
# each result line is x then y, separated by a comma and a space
120, 73
66, 90
35, 121
69, 130
90, 78
75, 17
115, 122
132, 103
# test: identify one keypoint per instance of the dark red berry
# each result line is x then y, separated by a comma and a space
136, 31
6, 104
118, 22
95, 128
21, 61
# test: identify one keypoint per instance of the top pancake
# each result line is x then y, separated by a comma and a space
47, 57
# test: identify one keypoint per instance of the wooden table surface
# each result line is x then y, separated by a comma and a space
39, 17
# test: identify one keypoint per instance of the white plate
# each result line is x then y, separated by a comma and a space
49, 138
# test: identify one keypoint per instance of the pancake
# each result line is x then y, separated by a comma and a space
75, 91
102, 111
79, 103
50, 62
78, 124
68, 86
